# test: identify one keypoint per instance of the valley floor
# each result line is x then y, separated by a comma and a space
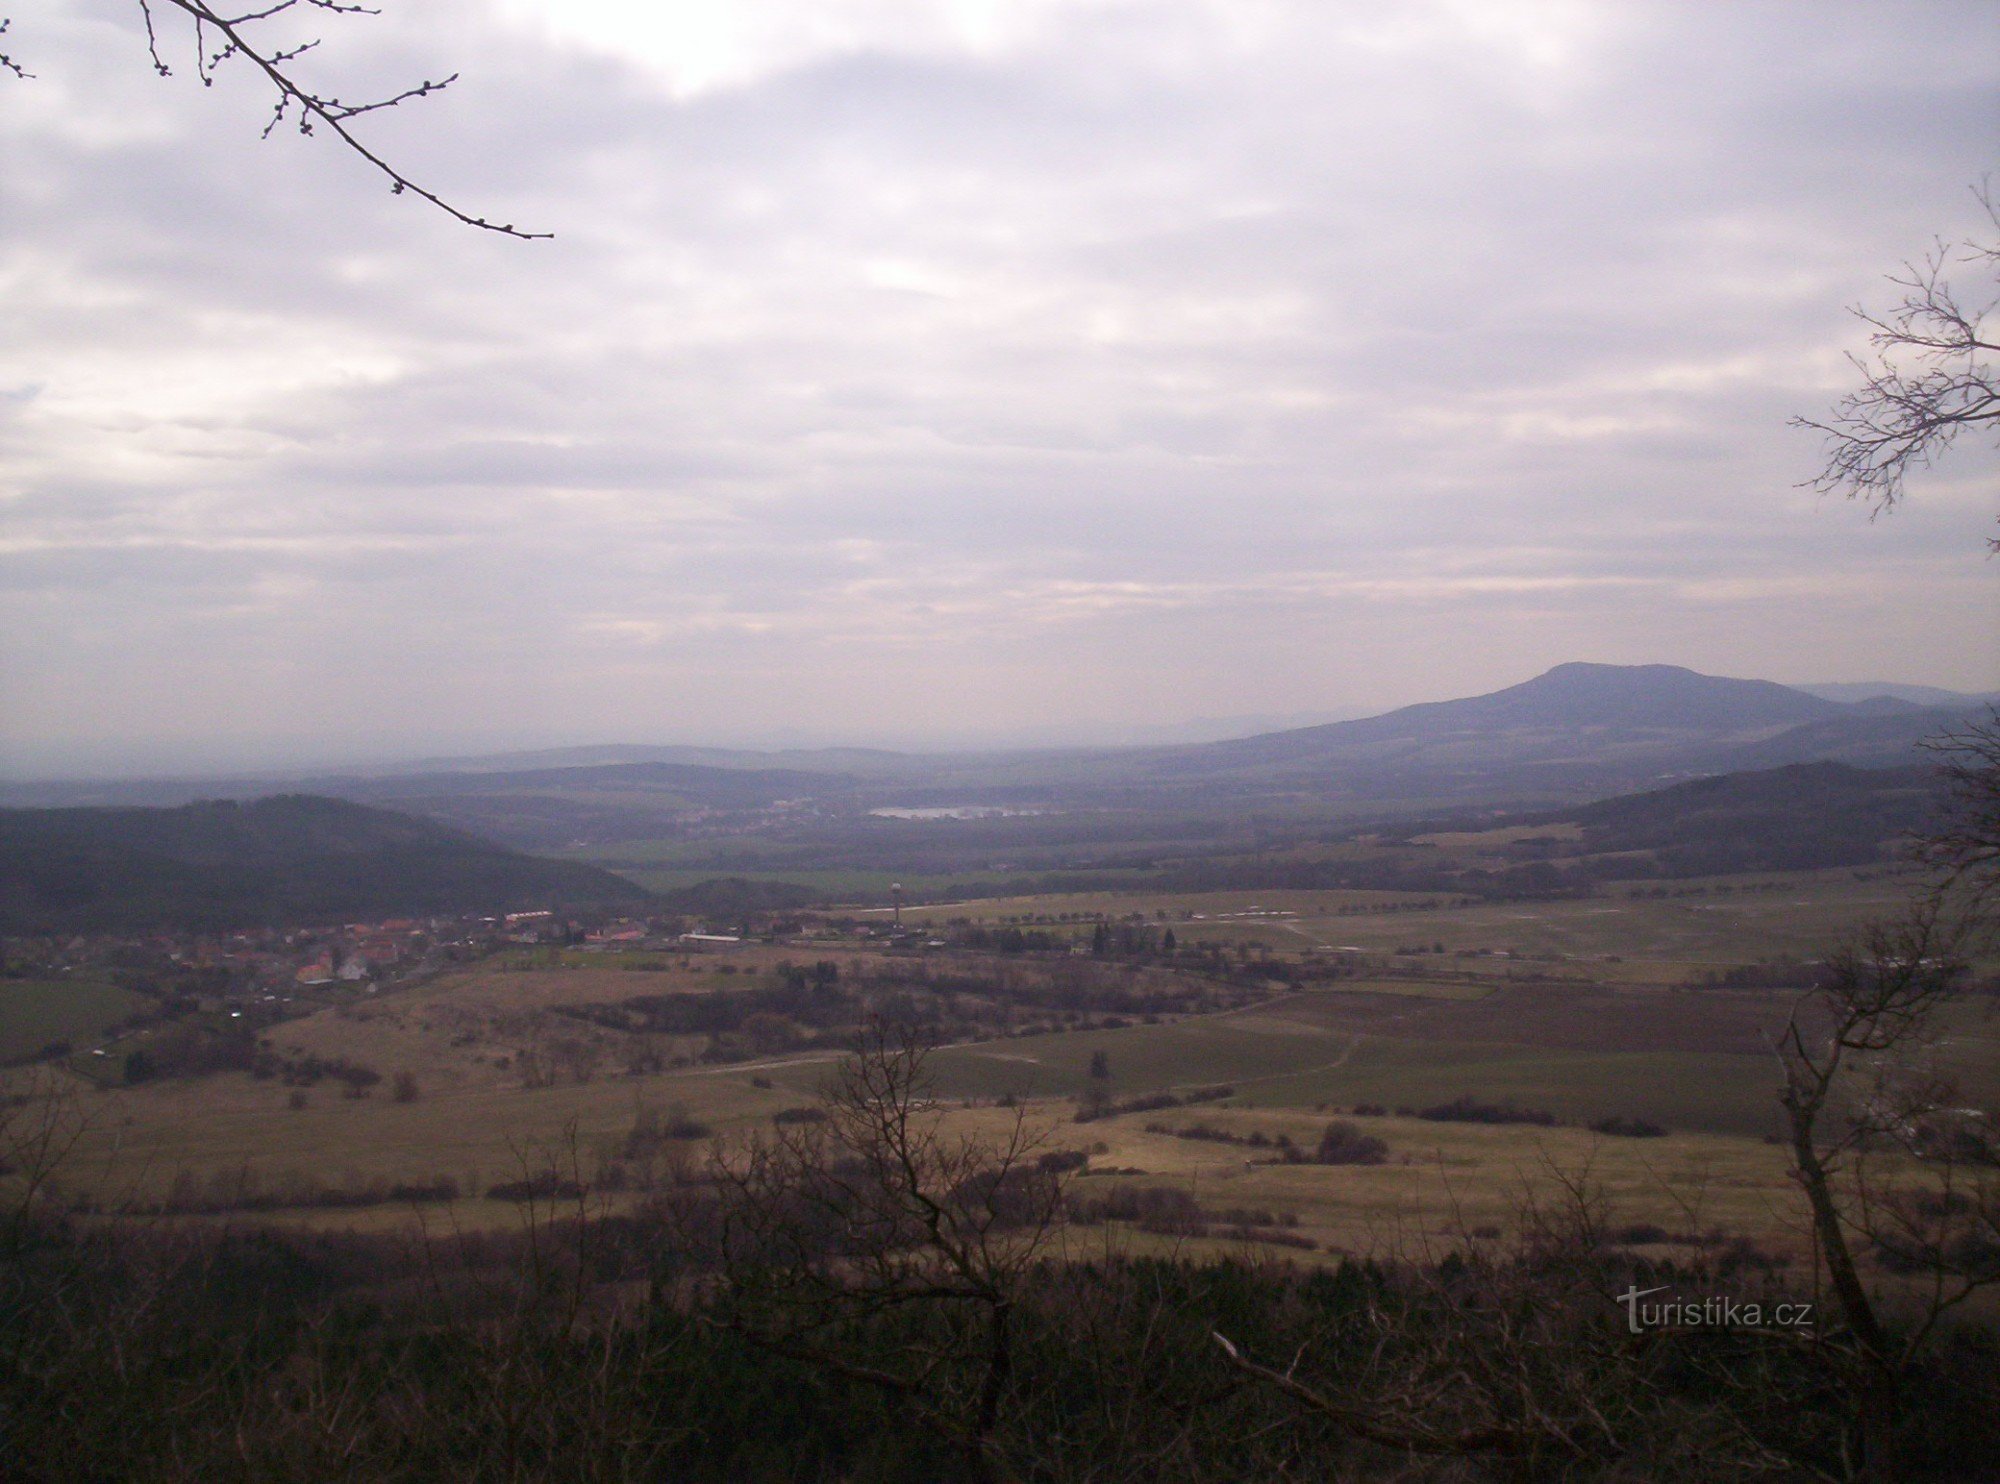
1624, 1011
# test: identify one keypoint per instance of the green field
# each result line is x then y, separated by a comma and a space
36, 1012
1699, 925
675, 864
1296, 1054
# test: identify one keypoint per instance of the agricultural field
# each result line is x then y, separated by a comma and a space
624, 1069
35, 1013
1691, 1061
1672, 927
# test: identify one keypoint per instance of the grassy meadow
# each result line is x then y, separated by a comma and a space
37, 1012
1693, 925
1585, 1010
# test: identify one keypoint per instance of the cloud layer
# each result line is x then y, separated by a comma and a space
932, 372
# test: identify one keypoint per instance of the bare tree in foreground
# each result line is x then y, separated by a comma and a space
40, 1125
1931, 376
1899, 1176
877, 1214
1965, 849
253, 36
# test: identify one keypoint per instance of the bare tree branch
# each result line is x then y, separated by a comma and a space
1931, 376
1408, 1433
876, 1210
7, 63
1965, 849
219, 36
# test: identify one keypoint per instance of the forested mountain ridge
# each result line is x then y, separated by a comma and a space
273, 861
1803, 816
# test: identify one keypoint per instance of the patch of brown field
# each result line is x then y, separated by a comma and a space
1569, 1017
1477, 840
1443, 1182
529, 989
460, 1047
480, 1028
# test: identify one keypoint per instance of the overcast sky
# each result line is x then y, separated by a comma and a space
936, 371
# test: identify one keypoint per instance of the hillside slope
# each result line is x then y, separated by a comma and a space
293, 858
1576, 732
1576, 729
1798, 817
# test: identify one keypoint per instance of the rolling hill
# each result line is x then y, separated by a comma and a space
1804, 816
290, 859
1575, 728
1577, 732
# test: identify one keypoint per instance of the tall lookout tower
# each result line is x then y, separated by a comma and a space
896, 903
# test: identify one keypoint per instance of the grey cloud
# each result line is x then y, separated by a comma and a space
1144, 331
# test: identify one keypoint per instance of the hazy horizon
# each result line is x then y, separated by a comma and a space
279, 759
951, 374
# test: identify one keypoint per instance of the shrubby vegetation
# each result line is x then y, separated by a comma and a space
1103, 1106
244, 1189
867, 1296
1468, 1109
202, 1050
818, 1006
1340, 1143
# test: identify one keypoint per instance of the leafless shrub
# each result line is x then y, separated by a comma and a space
823, 1227
1516, 1351
41, 1123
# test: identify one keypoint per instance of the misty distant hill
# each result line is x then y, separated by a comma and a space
1861, 692
1622, 696
1803, 817
272, 861
1811, 816
747, 787
1577, 732
1867, 736
817, 760
549, 808
1580, 700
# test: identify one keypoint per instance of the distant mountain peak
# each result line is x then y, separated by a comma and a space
1558, 715
1599, 667
1582, 693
